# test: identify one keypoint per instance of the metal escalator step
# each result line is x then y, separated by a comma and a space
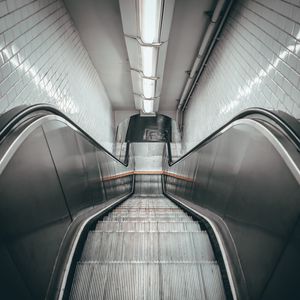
144, 214
147, 246
146, 195
154, 226
119, 246
192, 281
147, 209
151, 200
123, 280
117, 281
213, 281
150, 197
147, 214
145, 218
185, 246
148, 204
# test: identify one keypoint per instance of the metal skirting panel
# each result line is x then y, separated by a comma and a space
147, 248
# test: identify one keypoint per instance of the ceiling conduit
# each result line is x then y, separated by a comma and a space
217, 20
146, 27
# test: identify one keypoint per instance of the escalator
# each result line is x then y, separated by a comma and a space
221, 222
147, 248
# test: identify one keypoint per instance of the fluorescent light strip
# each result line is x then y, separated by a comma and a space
149, 60
149, 22
148, 87
150, 15
148, 106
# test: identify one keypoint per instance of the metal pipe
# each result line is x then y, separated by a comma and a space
201, 54
207, 55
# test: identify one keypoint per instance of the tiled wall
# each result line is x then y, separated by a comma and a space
255, 63
43, 60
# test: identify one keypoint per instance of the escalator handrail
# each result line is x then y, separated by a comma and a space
12, 117
289, 124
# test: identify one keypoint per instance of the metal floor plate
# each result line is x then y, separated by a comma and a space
147, 248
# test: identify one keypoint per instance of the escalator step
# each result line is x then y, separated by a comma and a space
147, 281
143, 218
143, 214
147, 246
154, 226
147, 210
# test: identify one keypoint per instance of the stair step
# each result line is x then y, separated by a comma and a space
148, 226
154, 210
147, 210
147, 218
125, 280
148, 203
146, 214
147, 246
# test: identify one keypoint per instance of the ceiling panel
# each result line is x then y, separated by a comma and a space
188, 28
100, 28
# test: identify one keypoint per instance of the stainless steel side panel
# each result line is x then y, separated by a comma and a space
247, 178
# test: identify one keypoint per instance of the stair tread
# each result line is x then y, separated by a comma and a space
158, 226
147, 281
102, 246
147, 248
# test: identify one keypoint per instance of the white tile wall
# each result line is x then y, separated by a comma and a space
255, 63
42, 60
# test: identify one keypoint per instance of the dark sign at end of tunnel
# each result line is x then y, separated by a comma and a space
149, 129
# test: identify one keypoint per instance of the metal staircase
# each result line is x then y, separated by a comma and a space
147, 248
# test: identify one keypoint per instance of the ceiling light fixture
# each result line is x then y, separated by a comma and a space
149, 60
150, 19
149, 26
148, 106
146, 26
148, 88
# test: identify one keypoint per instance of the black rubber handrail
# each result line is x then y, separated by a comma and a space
12, 117
289, 124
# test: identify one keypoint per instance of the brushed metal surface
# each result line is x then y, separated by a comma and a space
49, 174
148, 280
148, 185
246, 180
148, 226
147, 248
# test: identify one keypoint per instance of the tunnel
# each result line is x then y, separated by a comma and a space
149, 149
